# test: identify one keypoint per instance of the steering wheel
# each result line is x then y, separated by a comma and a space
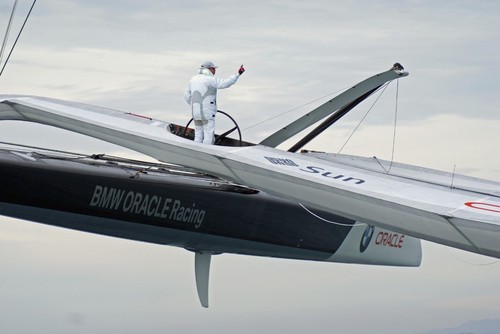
222, 136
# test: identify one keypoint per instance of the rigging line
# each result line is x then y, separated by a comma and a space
395, 123
453, 176
17, 38
106, 158
293, 109
384, 87
44, 149
378, 161
329, 221
8, 31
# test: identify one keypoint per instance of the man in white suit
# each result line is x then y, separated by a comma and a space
201, 94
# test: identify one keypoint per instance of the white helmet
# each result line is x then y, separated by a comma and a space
208, 64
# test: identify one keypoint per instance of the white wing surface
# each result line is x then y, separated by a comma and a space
467, 218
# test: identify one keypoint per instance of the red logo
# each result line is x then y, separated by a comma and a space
390, 239
484, 206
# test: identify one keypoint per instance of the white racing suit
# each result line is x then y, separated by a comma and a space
201, 94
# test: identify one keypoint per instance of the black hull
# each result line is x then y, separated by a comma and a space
158, 204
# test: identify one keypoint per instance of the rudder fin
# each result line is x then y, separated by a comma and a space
202, 273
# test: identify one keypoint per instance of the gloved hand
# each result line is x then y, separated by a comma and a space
241, 70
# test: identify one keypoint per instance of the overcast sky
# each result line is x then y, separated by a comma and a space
137, 56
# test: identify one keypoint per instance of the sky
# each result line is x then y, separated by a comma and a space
137, 56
